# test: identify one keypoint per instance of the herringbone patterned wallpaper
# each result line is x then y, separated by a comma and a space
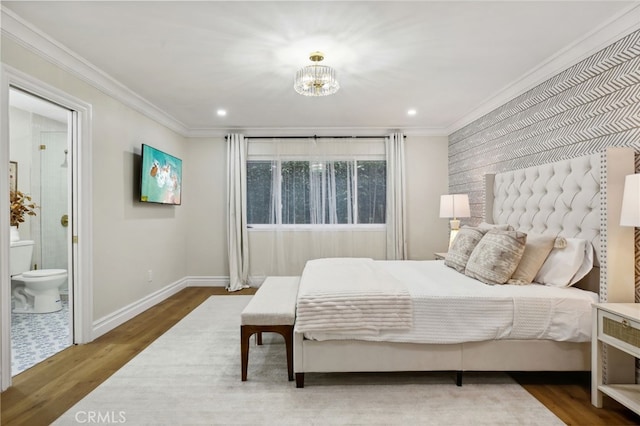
582, 110
592, 105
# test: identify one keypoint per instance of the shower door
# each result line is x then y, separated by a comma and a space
53, 195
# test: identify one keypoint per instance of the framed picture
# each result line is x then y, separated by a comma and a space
13, 176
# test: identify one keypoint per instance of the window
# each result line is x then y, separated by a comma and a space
259, 207
290, 192
372, 191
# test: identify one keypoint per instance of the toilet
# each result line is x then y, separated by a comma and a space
34, 291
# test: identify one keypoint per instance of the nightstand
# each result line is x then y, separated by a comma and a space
440, 256
617, 325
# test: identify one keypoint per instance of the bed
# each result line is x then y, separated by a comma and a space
576, 198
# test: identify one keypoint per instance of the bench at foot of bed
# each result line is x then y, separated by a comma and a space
271, 309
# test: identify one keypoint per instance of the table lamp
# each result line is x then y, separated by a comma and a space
454, 206
630, 211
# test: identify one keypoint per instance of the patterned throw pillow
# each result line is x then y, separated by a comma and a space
496, 256
463, 244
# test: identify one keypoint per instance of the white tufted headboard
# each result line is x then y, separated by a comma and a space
579, 198
575, 198
561, 199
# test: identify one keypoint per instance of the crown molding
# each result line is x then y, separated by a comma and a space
31, 38
621, 25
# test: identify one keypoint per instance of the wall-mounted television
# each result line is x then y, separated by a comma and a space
161, 180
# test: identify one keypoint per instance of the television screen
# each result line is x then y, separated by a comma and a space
161, 177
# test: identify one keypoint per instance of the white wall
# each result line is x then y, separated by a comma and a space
427, 178
206, 192
129, 237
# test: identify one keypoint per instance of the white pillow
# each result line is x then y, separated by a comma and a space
587, 265
565, 266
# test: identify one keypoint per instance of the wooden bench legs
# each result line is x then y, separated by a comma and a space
246, 331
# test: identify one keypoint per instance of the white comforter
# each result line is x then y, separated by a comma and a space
449, 307
357, 296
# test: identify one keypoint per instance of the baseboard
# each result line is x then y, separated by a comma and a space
119, 317
220, 281
207, 281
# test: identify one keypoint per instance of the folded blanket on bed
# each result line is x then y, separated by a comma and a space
531, 318
351, 294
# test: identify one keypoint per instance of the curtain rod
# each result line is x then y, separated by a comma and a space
315, 137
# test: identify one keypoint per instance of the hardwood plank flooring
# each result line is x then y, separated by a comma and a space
568, 396
43, 393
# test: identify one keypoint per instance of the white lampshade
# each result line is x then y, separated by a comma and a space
630, 212
454, 205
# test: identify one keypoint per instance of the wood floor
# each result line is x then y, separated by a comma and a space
43, 393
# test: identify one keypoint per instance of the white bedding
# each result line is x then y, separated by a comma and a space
449, 307
353, 295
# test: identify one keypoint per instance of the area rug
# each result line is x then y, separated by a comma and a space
191, 376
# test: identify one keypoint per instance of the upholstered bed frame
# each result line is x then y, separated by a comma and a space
579, 197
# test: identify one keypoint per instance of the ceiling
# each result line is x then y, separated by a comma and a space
444, 59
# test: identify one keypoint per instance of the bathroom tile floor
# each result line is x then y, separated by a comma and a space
36, 337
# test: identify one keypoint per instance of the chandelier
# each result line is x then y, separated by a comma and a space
316, 80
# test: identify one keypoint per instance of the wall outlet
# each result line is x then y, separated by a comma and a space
150, 275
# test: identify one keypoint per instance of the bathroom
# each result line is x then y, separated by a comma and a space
41, 167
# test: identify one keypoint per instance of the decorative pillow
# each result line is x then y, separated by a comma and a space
536, 251
489, 226
563, 264
463, 244
496, 256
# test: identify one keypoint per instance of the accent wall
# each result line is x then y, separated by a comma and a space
590, 106
582, 110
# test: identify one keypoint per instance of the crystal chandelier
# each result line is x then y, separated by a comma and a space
316, 80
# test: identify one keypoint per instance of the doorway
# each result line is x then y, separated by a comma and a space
40, 143
80, 218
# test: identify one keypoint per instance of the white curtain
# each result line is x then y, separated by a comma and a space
323, 195
237, 238
396, 213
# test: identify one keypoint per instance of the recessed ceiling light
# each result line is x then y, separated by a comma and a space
412, 112
222, 112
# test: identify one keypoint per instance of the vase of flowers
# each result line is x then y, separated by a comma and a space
21, 206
